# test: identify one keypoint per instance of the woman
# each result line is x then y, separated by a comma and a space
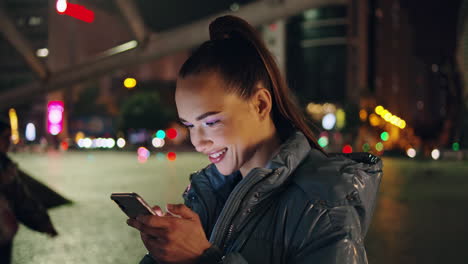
271, 194
16, 202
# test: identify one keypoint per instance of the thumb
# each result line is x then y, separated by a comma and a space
182, 210
158, 210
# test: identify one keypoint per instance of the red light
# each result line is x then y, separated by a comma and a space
171, 133
347, 149
171, 156
74, 10
64, 145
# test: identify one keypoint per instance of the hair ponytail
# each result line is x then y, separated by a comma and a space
237, 52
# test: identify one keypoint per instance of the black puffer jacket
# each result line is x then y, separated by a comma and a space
304, 207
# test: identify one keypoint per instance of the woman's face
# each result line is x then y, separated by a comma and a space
222, 125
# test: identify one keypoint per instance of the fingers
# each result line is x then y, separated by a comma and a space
182, 210
149, 230
158, 210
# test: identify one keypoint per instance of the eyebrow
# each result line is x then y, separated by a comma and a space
202, 116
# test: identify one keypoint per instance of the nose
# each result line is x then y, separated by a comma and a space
199, 139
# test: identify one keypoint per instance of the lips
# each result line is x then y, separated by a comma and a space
216, 157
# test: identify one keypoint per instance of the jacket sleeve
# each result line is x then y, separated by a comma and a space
334, 237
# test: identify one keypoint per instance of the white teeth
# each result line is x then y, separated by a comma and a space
217, 154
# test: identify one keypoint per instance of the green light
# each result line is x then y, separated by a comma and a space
366, 147
379, 146
323, 141
384, 136
161, 134
456, 146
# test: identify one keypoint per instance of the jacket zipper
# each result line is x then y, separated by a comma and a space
231, 228
224, 220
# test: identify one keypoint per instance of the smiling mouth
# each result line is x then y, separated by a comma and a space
218, 156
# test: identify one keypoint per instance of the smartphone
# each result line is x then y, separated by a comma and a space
132, 204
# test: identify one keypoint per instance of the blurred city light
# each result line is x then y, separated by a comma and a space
363, 115
30, 132
171, 133
384, 136
121, 142
86, 143
411, 152
329, 121
79, 135
55, 117
366, 147
14, 126
110, 143
389, 117
64, 145
161, 134
61, 6
456, 146
379, 146
374, 120
130, 83
42, 52
171, 156
347, 149
74, 10
323, 141
157, 142
143, 154
435, 154
340, 118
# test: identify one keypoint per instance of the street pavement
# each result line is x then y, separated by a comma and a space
420, 217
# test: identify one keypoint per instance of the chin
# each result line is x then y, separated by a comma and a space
225, 170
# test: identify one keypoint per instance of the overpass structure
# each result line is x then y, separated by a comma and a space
149, 42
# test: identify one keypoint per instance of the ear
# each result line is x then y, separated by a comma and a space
262, 102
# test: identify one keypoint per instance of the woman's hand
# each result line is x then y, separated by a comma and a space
172, 239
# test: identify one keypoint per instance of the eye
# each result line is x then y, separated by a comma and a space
211, 123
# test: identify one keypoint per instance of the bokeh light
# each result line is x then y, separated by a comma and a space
411, 152
329, 121
171, 133
363, 115
171, 156
323, 141
435, 154
456, 146
158, 143
121, 142
161, 134
384, 136
30, 132
347, 149
366, 147
379, 146
130, 83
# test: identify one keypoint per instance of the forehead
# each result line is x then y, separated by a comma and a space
201, 93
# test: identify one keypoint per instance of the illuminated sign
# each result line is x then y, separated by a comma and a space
55, 117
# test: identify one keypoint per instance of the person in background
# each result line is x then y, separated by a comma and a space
16, 202
271, 194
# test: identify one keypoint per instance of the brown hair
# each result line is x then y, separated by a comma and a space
238, 54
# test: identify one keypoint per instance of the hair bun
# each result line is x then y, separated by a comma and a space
227, 27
